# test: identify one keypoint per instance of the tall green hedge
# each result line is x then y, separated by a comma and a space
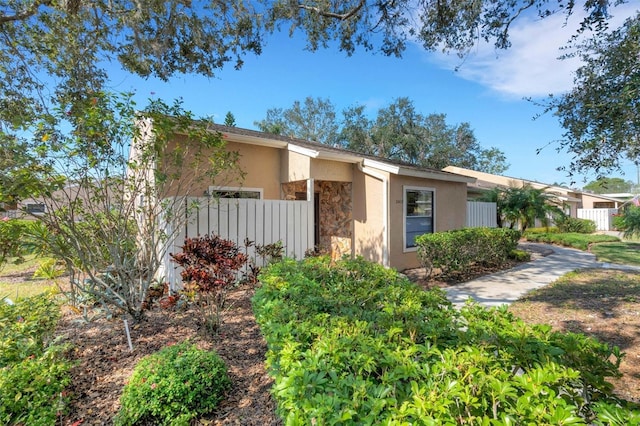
456, 250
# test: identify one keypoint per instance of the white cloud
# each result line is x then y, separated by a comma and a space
531, 66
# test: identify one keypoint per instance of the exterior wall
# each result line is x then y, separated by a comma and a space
450, 202
260, 164
595, 202
331, 170
368, 216
294, 166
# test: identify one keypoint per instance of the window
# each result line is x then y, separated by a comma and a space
35, 208
418, 214
226, 192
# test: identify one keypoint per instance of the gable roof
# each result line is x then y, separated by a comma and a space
326, 152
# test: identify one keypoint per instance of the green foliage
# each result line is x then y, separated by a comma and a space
520, 255
356, 343
542, 230
575, 240
12, 233
33, 371
599, 114
609, 185
628, 221
567, 224
456, 250
173, 386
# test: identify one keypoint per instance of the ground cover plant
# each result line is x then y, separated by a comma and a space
601, 303
571, 239
33, 369
353, 342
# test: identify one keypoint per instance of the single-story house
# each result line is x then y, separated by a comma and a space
572, 199
361, 205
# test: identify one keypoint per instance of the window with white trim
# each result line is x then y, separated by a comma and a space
418, 214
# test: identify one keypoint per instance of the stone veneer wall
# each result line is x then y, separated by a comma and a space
336, 214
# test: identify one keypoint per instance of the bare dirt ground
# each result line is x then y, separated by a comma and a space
104, 361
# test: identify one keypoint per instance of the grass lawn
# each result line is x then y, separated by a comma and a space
627, 253
604, 304
17, 280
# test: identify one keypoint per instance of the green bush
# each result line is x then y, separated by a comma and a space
33, 371
628, 221
354, 343
520, 255
542, 230
12, 241
173, 386
456, 250
567, 224
575, 240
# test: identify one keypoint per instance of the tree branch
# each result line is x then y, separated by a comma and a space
342, 17
27, 13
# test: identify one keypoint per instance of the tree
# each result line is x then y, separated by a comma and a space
314, 120
60, 47
522, 206
609, 185
229, 120
108, 223
400, 133
600, 114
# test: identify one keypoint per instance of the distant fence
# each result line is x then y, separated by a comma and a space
260, 221
602, 217
481, 214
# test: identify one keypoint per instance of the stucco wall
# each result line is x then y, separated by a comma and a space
368, 216
331, 170
295, 166
588, 202
260, 164
450, 202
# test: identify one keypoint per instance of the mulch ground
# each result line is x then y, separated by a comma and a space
104, 362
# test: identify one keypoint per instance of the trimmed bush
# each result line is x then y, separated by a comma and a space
568, 224
173, 386
456, 250
575, 240
354, 343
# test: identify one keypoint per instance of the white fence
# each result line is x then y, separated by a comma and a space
481, 214
261, 221
602, 217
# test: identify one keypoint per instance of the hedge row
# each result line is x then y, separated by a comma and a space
354, 343
456, 250
574, 239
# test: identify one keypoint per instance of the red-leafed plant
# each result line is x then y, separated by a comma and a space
210, 266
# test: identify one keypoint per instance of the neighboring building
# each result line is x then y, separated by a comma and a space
571, 199
362, 205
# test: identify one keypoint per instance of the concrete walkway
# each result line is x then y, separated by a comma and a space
507, 286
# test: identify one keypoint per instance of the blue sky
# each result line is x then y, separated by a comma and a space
488, 90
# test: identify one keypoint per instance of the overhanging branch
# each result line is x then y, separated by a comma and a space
340, 16
27, 13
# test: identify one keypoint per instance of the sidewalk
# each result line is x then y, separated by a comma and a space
507, 286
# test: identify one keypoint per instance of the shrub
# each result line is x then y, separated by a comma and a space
354, 343
628, 221
456, 250
33, 371
173, 386
575, 240
210, 265
542, 230
12, 233
571, 224
520, 255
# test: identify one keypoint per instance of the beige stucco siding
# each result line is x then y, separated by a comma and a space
368, 216
331, 170
295, 166
450, 212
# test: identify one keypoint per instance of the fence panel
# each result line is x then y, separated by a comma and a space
481, 214
261, 221
602, 217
